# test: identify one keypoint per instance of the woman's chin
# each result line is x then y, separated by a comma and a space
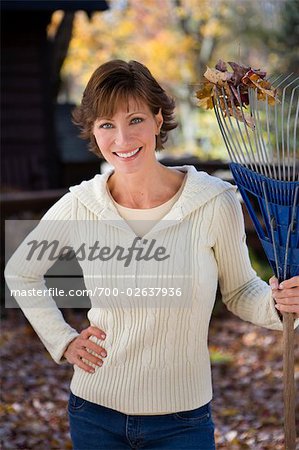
128, 170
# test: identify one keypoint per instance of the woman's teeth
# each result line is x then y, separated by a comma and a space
127, 155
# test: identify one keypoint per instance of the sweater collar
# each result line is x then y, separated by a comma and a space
199, 188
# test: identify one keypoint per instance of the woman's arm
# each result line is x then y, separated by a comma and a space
24, 274
243, 292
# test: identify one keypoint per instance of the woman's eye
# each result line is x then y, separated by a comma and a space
105, 125
137, 120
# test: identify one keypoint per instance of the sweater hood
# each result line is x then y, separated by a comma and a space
199, 188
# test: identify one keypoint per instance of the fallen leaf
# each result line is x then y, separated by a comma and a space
230, 90
216, 76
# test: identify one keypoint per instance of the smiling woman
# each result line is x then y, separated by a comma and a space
118, 83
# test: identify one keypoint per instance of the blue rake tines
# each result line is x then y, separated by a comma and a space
278, 206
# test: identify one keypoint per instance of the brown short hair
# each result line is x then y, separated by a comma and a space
117, 81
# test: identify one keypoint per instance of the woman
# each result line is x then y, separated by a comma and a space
160, 239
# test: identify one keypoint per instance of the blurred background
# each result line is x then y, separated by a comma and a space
51, 48
49, 51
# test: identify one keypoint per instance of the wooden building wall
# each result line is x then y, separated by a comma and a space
28, 153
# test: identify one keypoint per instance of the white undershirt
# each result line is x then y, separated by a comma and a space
142, 220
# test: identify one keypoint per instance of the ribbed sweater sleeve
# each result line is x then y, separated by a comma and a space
243, 292
23, 275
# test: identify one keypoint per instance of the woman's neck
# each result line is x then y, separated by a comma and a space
146, 190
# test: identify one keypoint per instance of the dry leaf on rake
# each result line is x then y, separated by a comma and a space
216, 76
230, 90
263, 87
221, 65
238, 72
205, 95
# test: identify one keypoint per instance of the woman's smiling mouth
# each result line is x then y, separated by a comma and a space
128, 155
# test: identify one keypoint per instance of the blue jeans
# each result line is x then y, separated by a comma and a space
95, 427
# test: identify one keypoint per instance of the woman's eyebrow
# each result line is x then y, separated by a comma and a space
128, 115
136, 112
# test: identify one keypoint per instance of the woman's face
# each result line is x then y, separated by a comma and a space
128, 139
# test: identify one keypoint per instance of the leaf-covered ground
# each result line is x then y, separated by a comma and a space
247, 378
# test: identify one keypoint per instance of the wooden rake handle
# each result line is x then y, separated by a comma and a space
289, 381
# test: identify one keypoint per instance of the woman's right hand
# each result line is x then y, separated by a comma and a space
78, 349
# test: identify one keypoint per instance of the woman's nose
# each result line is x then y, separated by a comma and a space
122, 137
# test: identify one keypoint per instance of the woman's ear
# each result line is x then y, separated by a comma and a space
159, 120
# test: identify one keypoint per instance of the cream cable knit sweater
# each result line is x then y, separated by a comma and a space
158, 359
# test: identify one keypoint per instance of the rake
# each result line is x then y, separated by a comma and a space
260, 135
